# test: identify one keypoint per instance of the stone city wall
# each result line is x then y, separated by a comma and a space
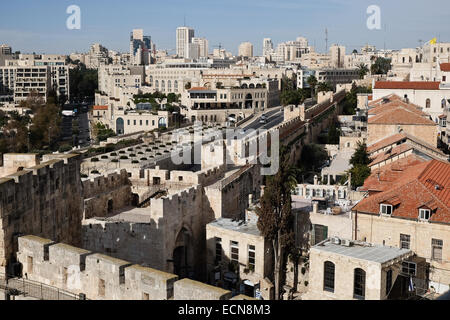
101, 277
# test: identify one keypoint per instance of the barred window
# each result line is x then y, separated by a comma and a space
405, 241
328, 276
218, 249
409, 268
359, 284
251, 257
234, 251
436, 249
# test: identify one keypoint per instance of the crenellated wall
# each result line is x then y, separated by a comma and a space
45, 200
105, 194
102, 277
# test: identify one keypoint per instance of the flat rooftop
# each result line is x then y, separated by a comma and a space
238, 226
128, 214
364, 251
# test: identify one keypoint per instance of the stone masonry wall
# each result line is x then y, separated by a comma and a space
101, 277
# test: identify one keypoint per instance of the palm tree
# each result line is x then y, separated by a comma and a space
324, 86
312, 82
362, 70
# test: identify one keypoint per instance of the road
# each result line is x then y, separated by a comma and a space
83, 125
274, 118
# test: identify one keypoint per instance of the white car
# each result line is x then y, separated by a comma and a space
262, 121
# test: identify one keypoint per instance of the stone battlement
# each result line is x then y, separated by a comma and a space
102, 277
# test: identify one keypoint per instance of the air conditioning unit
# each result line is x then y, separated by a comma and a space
346, 243
336, 240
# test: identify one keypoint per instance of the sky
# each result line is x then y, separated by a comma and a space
40, 25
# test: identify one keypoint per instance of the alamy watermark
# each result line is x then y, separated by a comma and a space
213, 147
374, 20
73, 22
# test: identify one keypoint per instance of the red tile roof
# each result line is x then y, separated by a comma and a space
385, 142
425, 184
391, 97
100, 107
416, 85
382, 179
390, 153
445, 67
400, 115
394, 104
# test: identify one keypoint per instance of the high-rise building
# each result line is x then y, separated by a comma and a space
184, 38
291, 50
267, 47
140, 47
5, 49
337, 53
203, 47
246, 49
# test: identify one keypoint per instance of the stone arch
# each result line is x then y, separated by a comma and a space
182, 254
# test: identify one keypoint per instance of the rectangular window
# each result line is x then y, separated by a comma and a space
65, 273
424, 214
320, 233
436, 249
251, 257
218, 249
128, 122
101, 287
234, 250
405, 241
134, 122
140, 122
386, 209
30, 264
409, 268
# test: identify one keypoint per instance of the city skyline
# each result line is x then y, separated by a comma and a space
110, 23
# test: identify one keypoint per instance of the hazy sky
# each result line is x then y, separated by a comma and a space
40, 25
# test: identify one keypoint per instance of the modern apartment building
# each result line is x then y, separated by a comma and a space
184, 38
203, 46
140, 47
246, 50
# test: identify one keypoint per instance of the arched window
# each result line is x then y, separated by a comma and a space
359, 284
175, 86
428, 103
151, 80
328, 276
157, 85
163, 85
443, 103
169, 86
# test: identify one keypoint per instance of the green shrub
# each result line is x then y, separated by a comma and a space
64, 148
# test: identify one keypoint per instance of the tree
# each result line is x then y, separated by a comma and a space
355, 51
333, 134
360, 170
324, 86
275, 220
362, 70
381, 66
360, 156
312, 82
